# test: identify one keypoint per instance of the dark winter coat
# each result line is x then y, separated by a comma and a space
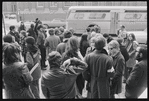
83, 47
16, 79
96, 73
32, 33
119, 65
16, 35
137, 81
60, 83
124, 52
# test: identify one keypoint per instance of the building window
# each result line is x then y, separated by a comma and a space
67, 4
80, 3
73, 3
40, 4
87, 3
53, 4
94, 3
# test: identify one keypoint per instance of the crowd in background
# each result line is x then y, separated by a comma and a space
97, 58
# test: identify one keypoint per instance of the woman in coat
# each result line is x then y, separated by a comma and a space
131, 45
72, 50
118, 65
16, 76
33, 59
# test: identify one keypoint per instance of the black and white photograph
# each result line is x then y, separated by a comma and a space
74, 50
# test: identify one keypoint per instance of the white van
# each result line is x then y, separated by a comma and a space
109, 18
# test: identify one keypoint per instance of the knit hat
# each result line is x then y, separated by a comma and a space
30, 40
54, 59
8, 38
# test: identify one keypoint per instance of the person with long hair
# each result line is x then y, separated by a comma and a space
131, 45
16, 76
33, 59
72, 50
84, 44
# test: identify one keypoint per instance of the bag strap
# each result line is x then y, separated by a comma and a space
36, 65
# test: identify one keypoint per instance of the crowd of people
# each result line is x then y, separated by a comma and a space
97, 58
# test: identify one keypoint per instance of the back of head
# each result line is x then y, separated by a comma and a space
11, 53
71, 30
30, 40
11, 27
32, 25
23, 32
73, 44
57, 31
8, 38
84, 36
109, 39
54, 59
61, 29
51, 31
67, 34
100, 43
39, 26
105, 35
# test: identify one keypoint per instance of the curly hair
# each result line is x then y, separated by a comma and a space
11, 53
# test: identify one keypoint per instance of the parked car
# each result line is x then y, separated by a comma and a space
7, 15
12, 16
54, 24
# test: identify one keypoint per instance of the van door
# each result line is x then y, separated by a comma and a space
114, 25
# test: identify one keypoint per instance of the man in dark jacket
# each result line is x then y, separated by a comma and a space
59, 81
21, 27
31, 32
62, 46
97, 73
40, 44
14, 33
126, 57
137, 81
119, 65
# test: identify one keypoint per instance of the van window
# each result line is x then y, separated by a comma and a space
97, 15
78, 16
133, 16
